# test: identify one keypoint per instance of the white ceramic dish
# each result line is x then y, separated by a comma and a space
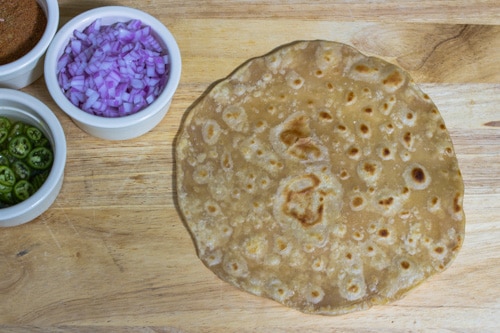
18, 105
120, 128
25, 70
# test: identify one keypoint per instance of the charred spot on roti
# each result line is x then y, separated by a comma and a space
210, 132
350, 97
326, 116
363, 69
386, 152
417, 177
364, 130
358, 202
394, 80
320, 178
301, 203
386, 202
439, 250
294, 80
236, 118
407, 139
457, 206
354, 153
315, 294
368, 110
387, 128
343, 174
383, 233
235, 266
369, 171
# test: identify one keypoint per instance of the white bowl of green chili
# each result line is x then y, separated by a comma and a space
32, 157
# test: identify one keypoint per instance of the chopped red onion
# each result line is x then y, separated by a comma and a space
113, 70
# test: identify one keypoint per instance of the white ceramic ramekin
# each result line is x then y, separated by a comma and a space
25, 70
18, 105
125, 127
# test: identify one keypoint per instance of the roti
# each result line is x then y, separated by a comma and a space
321, 178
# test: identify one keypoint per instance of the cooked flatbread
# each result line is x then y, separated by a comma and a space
320, 178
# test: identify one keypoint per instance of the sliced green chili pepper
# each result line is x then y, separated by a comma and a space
4, 134
40, 158
17, 129
7, 176
21, 170
19, 146
33, 133
5, 188
43, 142
6, 199
4, 160
23, 190
5, 123
39, 179
6, 154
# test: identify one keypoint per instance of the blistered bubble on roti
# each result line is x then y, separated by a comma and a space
320, 178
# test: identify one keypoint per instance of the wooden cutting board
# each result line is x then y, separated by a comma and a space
112, 254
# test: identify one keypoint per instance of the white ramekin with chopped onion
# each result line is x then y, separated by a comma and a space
114, 71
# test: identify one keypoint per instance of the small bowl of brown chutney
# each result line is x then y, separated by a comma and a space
26, 30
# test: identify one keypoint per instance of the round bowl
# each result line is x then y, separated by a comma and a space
20, 106
125, 127
25, 70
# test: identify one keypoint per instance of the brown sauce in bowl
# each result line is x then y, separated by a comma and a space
22, 23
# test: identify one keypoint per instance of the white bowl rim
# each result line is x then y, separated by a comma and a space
57, 171
42, 45
80, 22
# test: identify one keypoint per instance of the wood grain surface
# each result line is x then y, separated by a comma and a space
113, 255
